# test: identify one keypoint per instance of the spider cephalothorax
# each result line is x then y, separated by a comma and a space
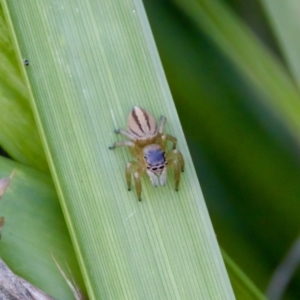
148, 146
156, 164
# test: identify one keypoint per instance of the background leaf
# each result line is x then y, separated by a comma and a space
236, 99
18, 135
97, 61
285, 23
239, 109
34, 230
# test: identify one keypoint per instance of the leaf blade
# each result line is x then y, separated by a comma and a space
70, 107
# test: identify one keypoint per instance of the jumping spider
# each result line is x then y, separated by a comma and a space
148, 144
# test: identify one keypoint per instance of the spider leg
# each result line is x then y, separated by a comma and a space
175, 160
138, 185
168, 137
133, 168
180, 159
122, 144
163, 122
128, 175
125, 133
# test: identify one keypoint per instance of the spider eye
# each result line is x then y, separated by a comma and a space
154, 169
161, 167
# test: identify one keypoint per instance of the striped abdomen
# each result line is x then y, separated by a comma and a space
141, 124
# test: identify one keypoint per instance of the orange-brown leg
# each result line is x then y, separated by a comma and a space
133, 168
171, 139
175, 160
122, 144
125, 133
162, 125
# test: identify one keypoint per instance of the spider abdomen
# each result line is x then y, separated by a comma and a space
141, 124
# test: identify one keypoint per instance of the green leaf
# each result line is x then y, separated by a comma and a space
243, 288
284, 18
240, 112
258, 65
35, 230
18, 134
90, 62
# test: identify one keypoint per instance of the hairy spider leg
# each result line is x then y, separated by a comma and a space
180, 159
125, 133
162, 125
122, 144
171, 138
133, 168
175, 160
166, 137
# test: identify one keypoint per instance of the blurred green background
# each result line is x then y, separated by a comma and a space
246, 158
